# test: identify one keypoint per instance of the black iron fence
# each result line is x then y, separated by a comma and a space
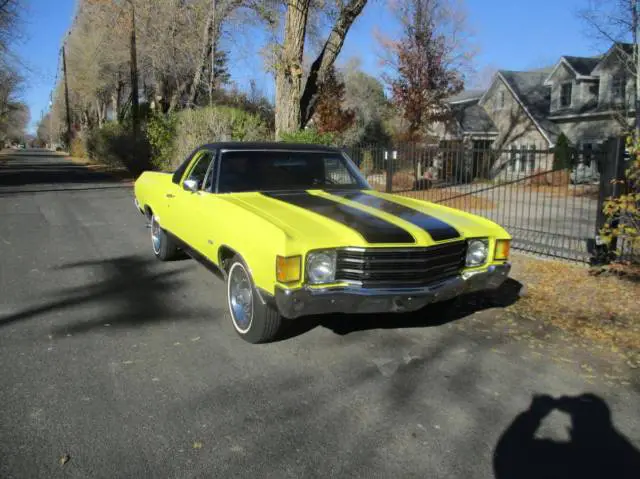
550, 205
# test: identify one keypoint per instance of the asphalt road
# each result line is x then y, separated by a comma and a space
131, 368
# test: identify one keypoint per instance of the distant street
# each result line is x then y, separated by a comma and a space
120, 366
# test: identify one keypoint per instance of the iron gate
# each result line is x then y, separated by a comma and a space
549, 210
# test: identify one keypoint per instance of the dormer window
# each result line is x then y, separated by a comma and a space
565, 94
619, 87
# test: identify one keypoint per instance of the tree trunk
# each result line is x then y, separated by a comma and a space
117, 99
175, 98
289, 68
327, 58
99, 112
204, 53
114, 106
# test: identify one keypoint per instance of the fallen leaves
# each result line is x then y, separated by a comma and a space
64, 459
603, 309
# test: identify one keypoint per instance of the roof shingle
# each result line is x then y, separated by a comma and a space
530, 89
583, 65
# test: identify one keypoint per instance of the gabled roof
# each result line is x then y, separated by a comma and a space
623, 49
465, 96
472, 118
583, 65
580, 66
533, 96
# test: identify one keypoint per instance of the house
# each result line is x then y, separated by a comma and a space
589, 99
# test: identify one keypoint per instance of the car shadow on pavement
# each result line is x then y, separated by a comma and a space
435, 314
129, 291
595, 448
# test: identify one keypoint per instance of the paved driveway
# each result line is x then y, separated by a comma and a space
131, 368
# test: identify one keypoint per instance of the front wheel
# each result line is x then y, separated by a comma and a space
163, 246
253, 320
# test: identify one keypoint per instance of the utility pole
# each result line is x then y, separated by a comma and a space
66, 96
213, 50
134, 74
50, 121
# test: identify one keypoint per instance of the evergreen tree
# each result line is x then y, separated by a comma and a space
562, 153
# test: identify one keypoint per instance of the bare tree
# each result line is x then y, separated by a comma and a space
427, 64
483, 78
297, 97
14, 115
617, 22
365, 96
9, 23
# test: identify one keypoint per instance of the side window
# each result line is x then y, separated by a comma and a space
336, 173
179, 172
199, 170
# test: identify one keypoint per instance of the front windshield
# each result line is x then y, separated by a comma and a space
286, 170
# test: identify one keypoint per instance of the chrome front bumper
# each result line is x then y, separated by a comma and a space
353, 299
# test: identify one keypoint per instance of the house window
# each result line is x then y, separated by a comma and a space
532, 158
588, 154
514, 159
565, 94
618, 87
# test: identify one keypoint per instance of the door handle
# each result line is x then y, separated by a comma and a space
170, 195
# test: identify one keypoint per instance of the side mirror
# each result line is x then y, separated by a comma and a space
191, 185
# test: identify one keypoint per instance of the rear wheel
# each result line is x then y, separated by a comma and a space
253, 320
163, 246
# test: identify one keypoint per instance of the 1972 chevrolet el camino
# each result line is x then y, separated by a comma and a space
296, 230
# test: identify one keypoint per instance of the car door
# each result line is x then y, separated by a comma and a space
185, 203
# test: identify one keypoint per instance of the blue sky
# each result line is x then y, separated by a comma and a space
508, 34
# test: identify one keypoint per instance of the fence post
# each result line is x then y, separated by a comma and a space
611, 165
389, 171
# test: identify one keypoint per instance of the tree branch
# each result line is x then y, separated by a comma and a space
327, 58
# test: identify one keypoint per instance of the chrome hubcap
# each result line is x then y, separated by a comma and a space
155, 235
240, 298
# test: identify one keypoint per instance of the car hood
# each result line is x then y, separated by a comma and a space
363, 218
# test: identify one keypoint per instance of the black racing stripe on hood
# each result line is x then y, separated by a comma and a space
437, 229
370, 227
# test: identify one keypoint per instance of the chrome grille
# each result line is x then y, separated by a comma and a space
392, 267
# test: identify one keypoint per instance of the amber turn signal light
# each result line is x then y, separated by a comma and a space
288, 268
502, 249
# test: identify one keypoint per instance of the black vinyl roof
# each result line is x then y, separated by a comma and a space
274, 145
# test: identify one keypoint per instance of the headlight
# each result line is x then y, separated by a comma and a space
321, 267
477, 252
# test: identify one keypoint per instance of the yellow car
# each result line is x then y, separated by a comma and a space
295, 230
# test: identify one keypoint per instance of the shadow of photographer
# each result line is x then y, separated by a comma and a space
595, 448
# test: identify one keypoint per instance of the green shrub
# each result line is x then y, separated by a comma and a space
213, 124
308, 135
161, 131
623, 212
114, 145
